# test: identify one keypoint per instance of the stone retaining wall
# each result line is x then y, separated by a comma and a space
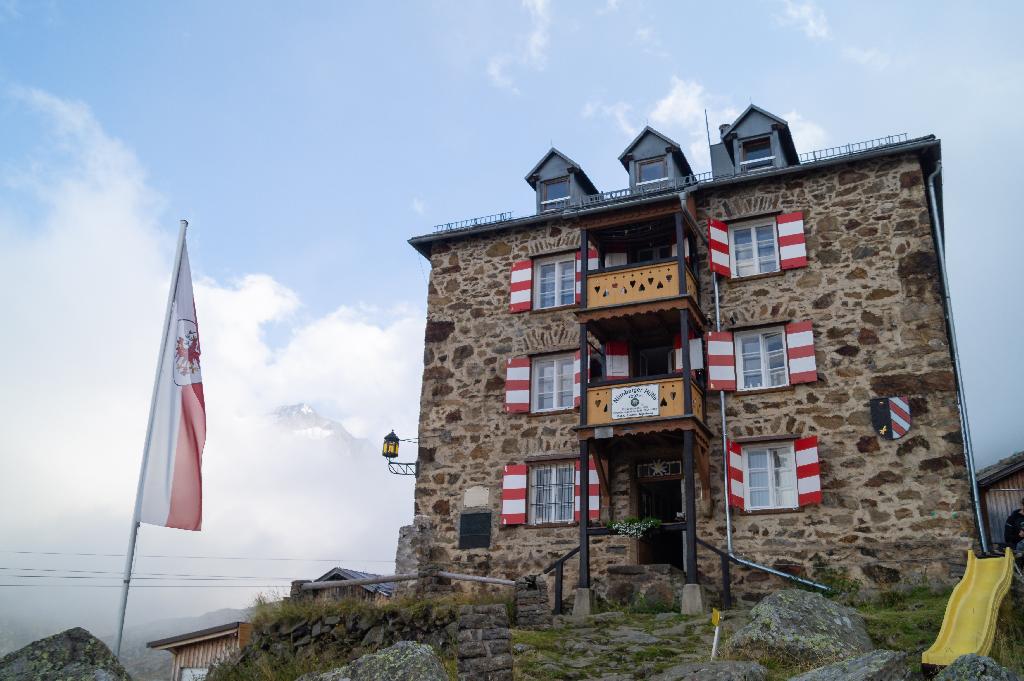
484, 643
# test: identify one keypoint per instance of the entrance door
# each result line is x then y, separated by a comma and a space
661, 499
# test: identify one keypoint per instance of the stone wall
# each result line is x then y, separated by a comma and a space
891, 510
356, 630
484, 643
466, 438
533, 608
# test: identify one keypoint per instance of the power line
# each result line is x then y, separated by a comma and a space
148, 586
253, 558
142, 575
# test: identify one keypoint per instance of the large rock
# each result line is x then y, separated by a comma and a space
878, 665
404, 661
72, 655
976, 668
802, 627
713, 671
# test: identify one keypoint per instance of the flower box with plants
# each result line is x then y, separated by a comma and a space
635, 528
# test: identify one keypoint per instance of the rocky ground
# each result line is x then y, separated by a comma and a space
615, 646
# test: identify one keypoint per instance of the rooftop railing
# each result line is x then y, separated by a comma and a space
679, 183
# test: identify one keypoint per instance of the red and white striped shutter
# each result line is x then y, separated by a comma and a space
616, 359
513, 495
737, 493
800, 348
718, 248
696, 353
615, 256
808, 471
576, 379
517, 385
594, 492
521, 287
592, 264
792, 247
721, 361
686, 250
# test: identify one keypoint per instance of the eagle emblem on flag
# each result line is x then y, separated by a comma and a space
890, 416
186, 354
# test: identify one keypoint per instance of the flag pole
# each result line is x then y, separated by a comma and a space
134, 532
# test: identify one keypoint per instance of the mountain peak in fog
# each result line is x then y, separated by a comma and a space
304, 421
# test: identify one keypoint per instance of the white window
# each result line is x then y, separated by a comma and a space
551, 493
770, 476
554, 282
757, 154
553, 382
554, 193
761, 359
755, 248
651, 170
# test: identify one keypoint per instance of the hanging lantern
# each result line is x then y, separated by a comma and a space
390, 449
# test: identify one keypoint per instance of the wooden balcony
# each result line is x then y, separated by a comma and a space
642, 406
638, 289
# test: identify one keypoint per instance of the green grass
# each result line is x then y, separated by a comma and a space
896, 620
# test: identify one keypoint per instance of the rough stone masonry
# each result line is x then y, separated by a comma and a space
892, 510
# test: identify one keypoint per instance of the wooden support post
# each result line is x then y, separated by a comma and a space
684, 342
680, 254
691, 507
584, 581
584, 514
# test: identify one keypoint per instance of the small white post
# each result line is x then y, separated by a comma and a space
134, 531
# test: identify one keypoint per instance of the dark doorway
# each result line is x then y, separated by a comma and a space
661, 499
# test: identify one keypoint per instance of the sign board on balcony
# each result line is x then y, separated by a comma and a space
635, 401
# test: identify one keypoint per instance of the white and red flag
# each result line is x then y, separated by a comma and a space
172, 487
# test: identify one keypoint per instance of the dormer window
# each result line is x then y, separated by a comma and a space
757, 154
651, 170
554, 193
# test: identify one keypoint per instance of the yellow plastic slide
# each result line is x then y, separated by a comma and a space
970, 621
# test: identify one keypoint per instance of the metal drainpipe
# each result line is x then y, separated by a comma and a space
725, 478
961, 395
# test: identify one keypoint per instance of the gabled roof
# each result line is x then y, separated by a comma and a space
575, 168
784, 133
670, 145
748, 111
989, 475
229, 629
340, 574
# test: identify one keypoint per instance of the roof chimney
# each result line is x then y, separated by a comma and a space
722, 128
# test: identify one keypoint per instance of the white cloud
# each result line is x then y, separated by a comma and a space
807, 135
647, 38
619, 112
532, 52
83, 289
872, 58
806, 16
680, 113
609, 7
418, 206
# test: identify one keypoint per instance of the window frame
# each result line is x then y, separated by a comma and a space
651, 161
747, 165
788, 447
531, 487
553, 203
566, 260
563, 359
741, 377
752, 226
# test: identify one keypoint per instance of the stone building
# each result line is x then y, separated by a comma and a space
557, 339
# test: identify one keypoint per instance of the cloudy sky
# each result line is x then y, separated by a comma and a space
304, 148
